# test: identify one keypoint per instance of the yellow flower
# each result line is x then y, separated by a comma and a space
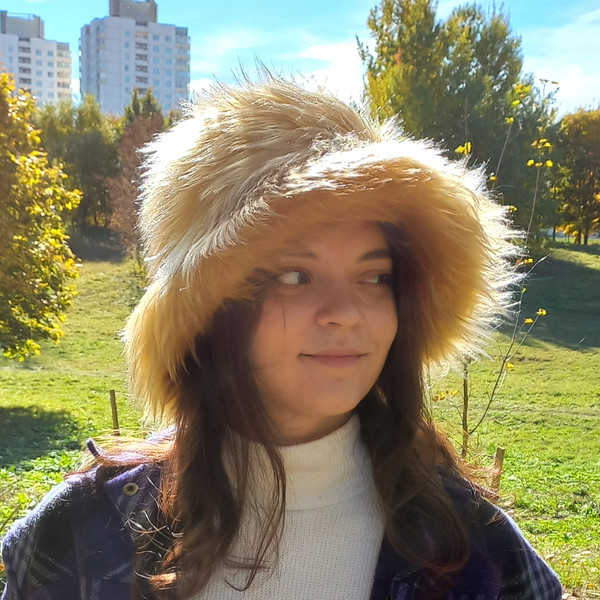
512, 208
530, 162
509, 365
541, 312
509, 120
493, 178
528, 321
524, 290
549, 164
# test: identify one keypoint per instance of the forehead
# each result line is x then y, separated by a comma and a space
355, 239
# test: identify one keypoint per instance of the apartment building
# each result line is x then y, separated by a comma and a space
130, 49
40, 66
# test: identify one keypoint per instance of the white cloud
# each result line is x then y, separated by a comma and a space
197, 86
342, 72
222, 52
569, 55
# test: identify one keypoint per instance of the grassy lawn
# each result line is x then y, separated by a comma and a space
547, 416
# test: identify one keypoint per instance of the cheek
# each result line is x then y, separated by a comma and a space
385, 324
269, 338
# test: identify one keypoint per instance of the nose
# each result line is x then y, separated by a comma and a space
338, 305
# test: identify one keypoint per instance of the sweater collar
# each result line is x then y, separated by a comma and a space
328, 470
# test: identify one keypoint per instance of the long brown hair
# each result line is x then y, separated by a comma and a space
198, 512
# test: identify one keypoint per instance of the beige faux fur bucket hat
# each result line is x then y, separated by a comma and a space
249, 167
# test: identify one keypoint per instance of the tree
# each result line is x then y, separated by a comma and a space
458, 82
141, 121
83, 141
580, 140
37, 265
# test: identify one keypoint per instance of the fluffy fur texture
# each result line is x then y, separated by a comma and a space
248, 170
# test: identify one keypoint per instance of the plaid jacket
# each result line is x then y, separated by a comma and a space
78, 545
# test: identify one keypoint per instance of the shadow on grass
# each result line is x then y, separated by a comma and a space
29, 432
570, 294
97, 244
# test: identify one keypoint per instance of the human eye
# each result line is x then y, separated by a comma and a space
293, 277
381, 279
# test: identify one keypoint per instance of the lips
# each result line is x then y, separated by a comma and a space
335, 358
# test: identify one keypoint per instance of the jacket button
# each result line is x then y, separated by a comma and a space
131, 489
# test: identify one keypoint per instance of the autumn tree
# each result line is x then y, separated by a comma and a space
459, 82
142, 119
37, 265
82, 139
580, 141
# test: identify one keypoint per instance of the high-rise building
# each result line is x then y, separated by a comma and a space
43, 67
128, 50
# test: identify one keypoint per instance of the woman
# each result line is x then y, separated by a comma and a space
306, 267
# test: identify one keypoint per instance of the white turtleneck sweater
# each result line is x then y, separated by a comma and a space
333, 528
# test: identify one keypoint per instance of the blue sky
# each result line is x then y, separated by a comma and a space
560, 39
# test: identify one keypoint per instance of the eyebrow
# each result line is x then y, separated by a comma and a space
371, 255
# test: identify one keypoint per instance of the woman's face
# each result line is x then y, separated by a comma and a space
326, 325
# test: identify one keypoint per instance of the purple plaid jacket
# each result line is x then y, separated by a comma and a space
78, 545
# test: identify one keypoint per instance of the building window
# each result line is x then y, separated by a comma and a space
168, 61
126, 44
156, 37
25, 80
156, 61
50, 63
168, 38
50, 74
50, 53
50, 94
24, 70
25, 60
127, 79
141, 46
155, 48
38, 63
168, 72
143, 57
156, 71
127, 67
168, 50
38, 52
141, 80
156, 82
25, 49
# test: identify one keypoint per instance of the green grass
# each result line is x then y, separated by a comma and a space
547, 416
